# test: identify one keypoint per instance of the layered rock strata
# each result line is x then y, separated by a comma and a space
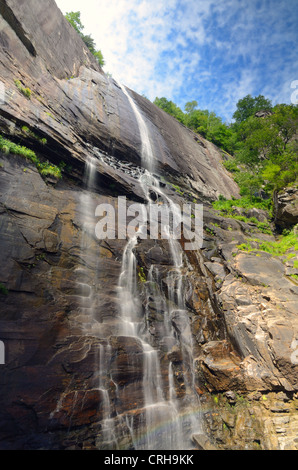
70, 379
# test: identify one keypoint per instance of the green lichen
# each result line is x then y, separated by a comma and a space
142, 275
44, 168
28, 132
25, 91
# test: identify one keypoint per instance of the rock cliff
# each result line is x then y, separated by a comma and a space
215, 332
286, 208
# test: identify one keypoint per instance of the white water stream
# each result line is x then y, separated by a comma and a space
85, 287
168, 424
167, 421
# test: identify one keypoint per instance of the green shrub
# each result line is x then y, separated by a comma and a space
44, 168
245, 202
231, 166
264, 227
177, 189
3, 290
281, 246
227, 206
30, 133
47, 169
10, 147
142, 275
245, 247
25, 91
276, 248
74, 18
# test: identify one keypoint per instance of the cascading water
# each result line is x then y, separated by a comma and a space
108, 433
88, 302
85, 287
163, 418
168, 421
146, 152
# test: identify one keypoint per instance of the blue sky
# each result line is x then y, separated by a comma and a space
211, 51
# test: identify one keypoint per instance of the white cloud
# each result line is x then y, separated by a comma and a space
212, 51
136, 39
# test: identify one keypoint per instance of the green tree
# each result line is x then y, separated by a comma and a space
190, 106
74, 18
265, 149
170, 108
268, 147
250, 183
248, 106
98, 55
89, 41
285, 118
203, 122
197, 120
210, 126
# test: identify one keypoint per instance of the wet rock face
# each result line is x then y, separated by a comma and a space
257, 295
67, 361
257, 421
223, 325
33, 46
73, 104
71, 377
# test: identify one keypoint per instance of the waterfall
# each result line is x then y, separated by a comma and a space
169, 422
156, 409
128, 293
108, 433
85, 285
146, 152
164, 419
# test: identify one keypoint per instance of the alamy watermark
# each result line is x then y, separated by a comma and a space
2, 353
294, 355
294, 95
153, 221
2, 93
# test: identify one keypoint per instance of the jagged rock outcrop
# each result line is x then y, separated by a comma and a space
72, 379
286, 208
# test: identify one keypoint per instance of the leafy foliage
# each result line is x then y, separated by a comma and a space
227, 209
248, 106
245, 202
6, 146
28, 132
170, 108
280, 247
74, 18
142, 275
45, 168
264, 145
25, 91
267, 149
204, 122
